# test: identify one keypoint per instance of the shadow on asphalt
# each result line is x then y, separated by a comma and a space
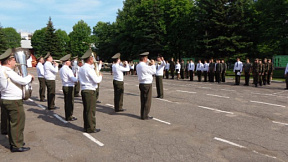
48, 116
4, 141
111, 111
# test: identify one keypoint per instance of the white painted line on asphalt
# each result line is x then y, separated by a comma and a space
29, 99
217, 96
228, 142
267, 103
44, 108
62, 120
205, 87
93, 139
279, 92
279, 123
265, 154
185, 91
110, 105
229, 90
263, 94
166, 100
165, 89
208, 108
161, 121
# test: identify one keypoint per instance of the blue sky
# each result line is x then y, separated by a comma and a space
31, 15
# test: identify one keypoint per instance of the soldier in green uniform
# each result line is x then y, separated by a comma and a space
269, 71
172, 67
218, 71
247, 70
260, 72
224, 69
256, 70
12, 102
265, 72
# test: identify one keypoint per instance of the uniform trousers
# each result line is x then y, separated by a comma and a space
68, 101
118, 95
77, 89
159, 86
223, 76
199, 74
50, 93
89, 104
167, 73
182, 73
4, 124
191, 74
42, 87
211, 76
237, 77
260, 80
256, 78
286, 81
264, 78
247, 78
97, 92
16, 121
205, 73
145, 98
269, 77
218, 76
172, 73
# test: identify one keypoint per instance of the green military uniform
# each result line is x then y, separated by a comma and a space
218, 72
269, 72
247, 71
264, 75
224, 69
261, 70
256, 71
12, 103
172, 68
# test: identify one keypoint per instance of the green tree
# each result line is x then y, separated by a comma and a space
80, 38
3, 43
272, 27
38, 43
13, 38
51, 40
63, 42
222, 27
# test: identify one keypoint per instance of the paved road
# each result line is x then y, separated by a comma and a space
194, 122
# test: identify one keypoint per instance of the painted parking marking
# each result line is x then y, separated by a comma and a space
93, 139
110, 105
243, 147
265, 103
229, 90
162, 121
29, 99
59, 118
217, 96
166, 100
206, 87
217, 110
185, 91
280, 123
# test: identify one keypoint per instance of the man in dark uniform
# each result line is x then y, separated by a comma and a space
286, 76
211, 70
223, 72
265, 72
247, 70
269, 71
186, 69
182, 69
145, 78
218, 71
256, 70
260, 72
172, 67
89, 82
12, 102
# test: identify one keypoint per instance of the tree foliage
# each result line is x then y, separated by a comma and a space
38, 43
3, 43
13, 39
51, 40
63, 42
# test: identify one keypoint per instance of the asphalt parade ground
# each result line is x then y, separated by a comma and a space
195, 121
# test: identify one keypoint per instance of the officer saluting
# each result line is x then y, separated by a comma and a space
118, 83
11, 95
145, 78
68, 82
89, 82
159, 76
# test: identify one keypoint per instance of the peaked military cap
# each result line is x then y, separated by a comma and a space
75, 57
144, 54
39, 58
6, 54
47, 55
87, 54
66, 58
116, 56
